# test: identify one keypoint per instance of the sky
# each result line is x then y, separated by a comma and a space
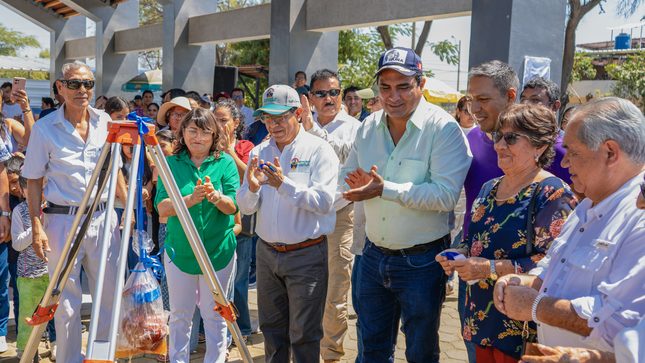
593, 28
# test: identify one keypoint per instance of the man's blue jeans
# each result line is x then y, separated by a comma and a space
4, 289
359, 329
411, 288
244, 251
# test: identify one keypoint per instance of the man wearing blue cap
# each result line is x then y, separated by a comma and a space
416, 159
290, 182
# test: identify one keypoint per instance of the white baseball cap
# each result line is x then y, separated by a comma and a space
278, 99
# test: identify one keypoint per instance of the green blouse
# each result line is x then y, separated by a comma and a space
215, 228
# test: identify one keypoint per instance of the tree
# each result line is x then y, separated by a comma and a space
44, 54
150, 12
630, 78
12, 41
582, 68
577, 10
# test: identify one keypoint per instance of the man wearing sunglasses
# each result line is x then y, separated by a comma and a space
65, 147
589, 286
290, 182
333, 124
408, 163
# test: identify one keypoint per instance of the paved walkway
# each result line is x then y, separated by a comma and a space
452, 346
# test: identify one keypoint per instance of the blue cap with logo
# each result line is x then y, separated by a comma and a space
278, 99
402, 60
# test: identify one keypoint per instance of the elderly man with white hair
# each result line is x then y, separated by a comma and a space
65, 147
589, 287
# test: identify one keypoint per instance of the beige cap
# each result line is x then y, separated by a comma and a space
368, 93
177, 101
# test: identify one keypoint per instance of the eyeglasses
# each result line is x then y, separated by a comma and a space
300, 78
237, 96
332, 93
204, 134
509, 137
75, 84
265, 118
177, 115
643, 189
465, 110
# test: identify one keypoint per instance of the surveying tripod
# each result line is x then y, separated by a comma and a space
122, 133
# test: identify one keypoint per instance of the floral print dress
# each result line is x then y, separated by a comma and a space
497, 231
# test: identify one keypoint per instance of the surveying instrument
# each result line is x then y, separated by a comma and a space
122, 133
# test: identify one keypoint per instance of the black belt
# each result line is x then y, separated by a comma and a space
443, 242
69, 210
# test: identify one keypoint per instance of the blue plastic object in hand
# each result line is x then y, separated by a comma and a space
268, 166
450, 254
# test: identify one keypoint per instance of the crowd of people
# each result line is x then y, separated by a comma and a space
323, 192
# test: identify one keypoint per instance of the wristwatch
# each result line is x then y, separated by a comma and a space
6, 214
493, 273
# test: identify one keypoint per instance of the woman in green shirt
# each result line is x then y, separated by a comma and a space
207, 179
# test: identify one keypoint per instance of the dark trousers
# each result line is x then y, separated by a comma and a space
291, 292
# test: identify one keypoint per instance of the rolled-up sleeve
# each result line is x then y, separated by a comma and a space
36, 160
341, 147
450, 160
619, 303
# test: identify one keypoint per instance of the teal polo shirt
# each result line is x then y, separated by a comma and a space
215, 228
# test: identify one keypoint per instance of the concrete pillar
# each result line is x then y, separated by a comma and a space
112, 69
60, 30
293, 48
507, 30
190, 67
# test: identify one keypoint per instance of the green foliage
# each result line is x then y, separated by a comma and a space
358, 55
630, 78
150, 12
582, 68
44, 53
25, 74
446, 50
12, 41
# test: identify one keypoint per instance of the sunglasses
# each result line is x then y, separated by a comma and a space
509, 137
74, 84
237, 96
332, 93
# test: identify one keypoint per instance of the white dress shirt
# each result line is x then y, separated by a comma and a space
423, 173
629, 344
57, 151
598, 263
248, 115
342, 129
303, 206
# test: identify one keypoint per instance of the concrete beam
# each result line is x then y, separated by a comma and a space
112, 70
80, 48
59, 28
363, 13
504, 30
141, 39
224, 27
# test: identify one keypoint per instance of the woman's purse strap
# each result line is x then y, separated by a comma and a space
529, 219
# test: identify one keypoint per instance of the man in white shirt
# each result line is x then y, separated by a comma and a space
290, 182
589, 287
332, 120
417, 157
65, 147
238, 96
10, 108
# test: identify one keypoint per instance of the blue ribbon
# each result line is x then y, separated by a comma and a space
150, 262
141, 122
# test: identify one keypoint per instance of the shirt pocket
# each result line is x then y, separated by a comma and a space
587, 263
411, 171
300, 178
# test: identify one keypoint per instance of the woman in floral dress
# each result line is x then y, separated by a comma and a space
496, 240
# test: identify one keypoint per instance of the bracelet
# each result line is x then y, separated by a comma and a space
535, 305
27, 110
218, 200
